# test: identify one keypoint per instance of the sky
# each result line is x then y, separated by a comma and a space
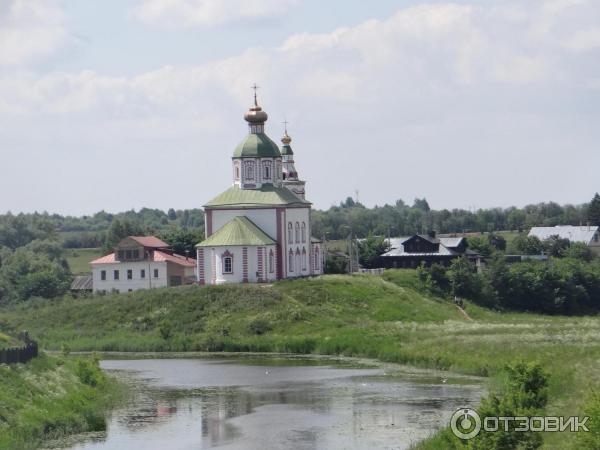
125, 104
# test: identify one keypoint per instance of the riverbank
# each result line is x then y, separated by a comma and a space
386, 318
50, 397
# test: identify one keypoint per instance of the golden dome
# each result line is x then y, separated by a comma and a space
255, 114
286, 139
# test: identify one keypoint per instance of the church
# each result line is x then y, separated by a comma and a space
258, 230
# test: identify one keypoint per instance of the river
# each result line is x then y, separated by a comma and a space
258, 402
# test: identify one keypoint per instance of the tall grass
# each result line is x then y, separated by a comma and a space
50, 397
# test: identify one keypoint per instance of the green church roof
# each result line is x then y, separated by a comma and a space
257, 145
267, 195
286, 150
238, 231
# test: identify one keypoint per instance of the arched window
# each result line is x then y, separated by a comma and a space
297, 232
298, 261
237, 173
267, 170
303, 259
271, 262
250, 170
290, 233
227, 262
303, 232
291, 261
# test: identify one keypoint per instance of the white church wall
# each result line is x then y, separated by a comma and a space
212, 262
264, 219
300, 264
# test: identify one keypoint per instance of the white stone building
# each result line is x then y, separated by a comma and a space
258, 230
141, 262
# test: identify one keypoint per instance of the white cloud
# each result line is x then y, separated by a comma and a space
187, 13
30, 30
514, 84
437, 47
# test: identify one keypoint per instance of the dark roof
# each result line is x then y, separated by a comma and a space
447, 247
82, 283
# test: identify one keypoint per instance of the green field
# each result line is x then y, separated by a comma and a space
79, 259
379, 317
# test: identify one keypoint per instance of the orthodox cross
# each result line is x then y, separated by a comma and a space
255, 87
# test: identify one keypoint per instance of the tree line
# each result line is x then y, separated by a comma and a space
402, 219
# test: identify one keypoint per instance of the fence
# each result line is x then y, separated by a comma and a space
372, 271
20, 354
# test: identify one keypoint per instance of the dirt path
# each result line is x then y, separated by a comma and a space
464, 313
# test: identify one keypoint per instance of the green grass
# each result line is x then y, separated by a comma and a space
7, 341
79, 259
50, 397
378, 317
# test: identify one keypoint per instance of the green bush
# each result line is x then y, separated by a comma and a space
591, 440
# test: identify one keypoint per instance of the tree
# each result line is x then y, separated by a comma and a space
527, 245
25, 273
463, 278
183, 241
370, 249
556, 246
481, 245
578, 250
171, 214
497, 241
593, 212
421, 203
118, 230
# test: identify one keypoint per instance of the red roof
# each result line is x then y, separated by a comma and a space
174, 258
158, 256
150, 241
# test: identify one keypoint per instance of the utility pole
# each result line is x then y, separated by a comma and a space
350, 253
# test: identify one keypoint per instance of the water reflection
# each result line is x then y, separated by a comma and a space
199, 404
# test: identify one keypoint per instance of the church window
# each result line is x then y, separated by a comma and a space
250, 171
297, 232
103, 275
271, 262
155, 273
267, 170
303, 232
237, 173
116, 275
290, 233
129, 274
291, 261
228, 264
303, 259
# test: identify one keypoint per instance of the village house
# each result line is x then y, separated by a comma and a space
259, 229
412, 251
587, 235
141, 262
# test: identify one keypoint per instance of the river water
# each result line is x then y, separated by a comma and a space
258, 402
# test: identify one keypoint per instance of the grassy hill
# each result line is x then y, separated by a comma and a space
379, 317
